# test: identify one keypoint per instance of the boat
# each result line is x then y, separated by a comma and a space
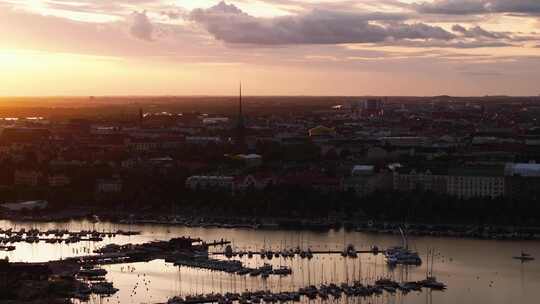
97, 272
283, 270
402, 255
7, 248
524, 257
104, 288
431, 282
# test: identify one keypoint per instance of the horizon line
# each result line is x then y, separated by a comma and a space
263, 95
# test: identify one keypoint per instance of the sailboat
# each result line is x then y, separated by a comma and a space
431, 281
524, 257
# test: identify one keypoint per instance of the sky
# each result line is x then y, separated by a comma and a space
274, 47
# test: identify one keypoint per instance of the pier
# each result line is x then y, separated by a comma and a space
314, 252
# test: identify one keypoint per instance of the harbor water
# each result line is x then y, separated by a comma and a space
475, 271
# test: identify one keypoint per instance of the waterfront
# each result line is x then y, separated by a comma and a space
476, 271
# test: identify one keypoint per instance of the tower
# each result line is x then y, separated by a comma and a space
240, 140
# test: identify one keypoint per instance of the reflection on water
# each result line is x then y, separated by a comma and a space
475, 271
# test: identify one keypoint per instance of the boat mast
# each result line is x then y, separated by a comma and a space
404, 238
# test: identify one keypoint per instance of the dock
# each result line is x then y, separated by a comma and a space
314, 252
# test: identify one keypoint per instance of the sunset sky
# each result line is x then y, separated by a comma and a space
275, 47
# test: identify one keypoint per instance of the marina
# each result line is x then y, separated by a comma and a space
158, 279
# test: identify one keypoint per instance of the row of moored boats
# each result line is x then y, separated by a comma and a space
322, 292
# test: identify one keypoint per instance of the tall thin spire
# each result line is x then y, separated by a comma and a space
240, 127
240, 102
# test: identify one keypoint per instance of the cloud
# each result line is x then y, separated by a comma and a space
465, 7
478, 32
228, 23
453, 44
141, 27
173, 14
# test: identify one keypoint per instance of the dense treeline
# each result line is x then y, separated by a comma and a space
296, 202
159, 192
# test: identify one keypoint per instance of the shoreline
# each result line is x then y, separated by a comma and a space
463, 231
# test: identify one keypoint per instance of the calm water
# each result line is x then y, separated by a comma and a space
475, 271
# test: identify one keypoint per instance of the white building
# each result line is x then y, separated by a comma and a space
468, 183
407, 180
522, 169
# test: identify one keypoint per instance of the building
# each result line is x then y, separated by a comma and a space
361, 170
216, 120
202, 140
404, 141
522, 169
144, 144
58, 180
410, 179
249, 160
364, 180
322, 131
522, 181
29, 178
373, 108
476, 182
210, 182
30, 205
254, 182
113, 185
23, 137
312, 180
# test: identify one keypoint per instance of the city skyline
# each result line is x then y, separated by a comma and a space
276, 47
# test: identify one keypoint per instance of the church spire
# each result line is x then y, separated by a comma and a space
240, 114
240, 127
240, 109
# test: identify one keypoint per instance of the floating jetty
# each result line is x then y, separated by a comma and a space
297, 252
174, 250
235, 267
